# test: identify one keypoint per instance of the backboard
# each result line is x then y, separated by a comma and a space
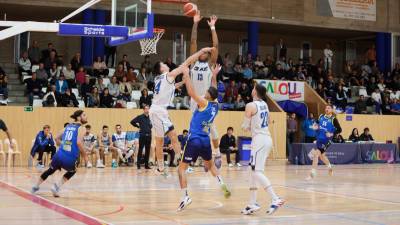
134, 14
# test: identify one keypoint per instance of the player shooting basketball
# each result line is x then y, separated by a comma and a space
201, 73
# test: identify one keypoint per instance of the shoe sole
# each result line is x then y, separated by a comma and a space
276, 209
251, 211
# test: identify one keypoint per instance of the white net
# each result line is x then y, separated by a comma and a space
149, 45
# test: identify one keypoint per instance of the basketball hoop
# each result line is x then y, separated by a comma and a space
149, 45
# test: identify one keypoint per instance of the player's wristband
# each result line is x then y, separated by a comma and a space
212, 27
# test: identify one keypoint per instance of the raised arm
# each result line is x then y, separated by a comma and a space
202, 102
215, 70
214, 53
193, 40
193, 58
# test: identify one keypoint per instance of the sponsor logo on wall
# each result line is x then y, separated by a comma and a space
280, 90
374, 155
349, 9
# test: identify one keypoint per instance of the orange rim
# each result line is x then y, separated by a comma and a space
173, 1
158, 30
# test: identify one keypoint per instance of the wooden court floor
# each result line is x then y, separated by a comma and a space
356, 194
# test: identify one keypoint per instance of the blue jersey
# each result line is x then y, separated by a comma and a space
202, 120
69, 146
326, 125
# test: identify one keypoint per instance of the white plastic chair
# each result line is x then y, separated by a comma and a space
2, 153
12, 153
111, 72
44, 89
81, 104
363, 92
136, 95
35, 68
131, 105
37, 103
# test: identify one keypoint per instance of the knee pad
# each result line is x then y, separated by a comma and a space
69, 174
47, 173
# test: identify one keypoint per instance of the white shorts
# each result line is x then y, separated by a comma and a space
261, 146
160, 120
213, 128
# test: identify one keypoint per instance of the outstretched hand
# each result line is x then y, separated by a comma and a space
216, 68
197, 18
213, 19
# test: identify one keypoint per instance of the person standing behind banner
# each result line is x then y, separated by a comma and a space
308, 129
144, 124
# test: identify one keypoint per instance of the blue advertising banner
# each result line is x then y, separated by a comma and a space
92, 30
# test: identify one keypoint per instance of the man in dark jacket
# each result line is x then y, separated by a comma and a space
228, 145
68, 99
143, 123
44, 142
366, 136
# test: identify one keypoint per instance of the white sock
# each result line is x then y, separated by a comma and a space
185, 192
253, 189
313, 171
61, 182
120, 155
113, 160
219, 179
217, 152
329, 166
160, 165
129, 154
266, 184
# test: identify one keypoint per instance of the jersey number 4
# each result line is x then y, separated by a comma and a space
157, 87
264, 119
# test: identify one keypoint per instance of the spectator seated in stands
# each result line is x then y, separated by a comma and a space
131, 77
113, 87
145, 99
106, 100
228, 145
41, 75
93, 98
44, 142
46, 53
147, 64
361, 106
354, 136
245, 92
239, 104
125, 64
68, 99
76, 62
119, 72
231, 92
247, 73
86, 89
145, 79
54, 73
338, 138
80, 76
279, 72
100, 67
395, 107
69, 75
24, 64
308, 128
33, 88
341, 98
170, 64
99, 85
366, 136
3, 84
125, 89
51, 97
61, 85
238, 72
170, 150
34, 53
48, 62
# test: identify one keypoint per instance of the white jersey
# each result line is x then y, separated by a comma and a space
259, 121
89, 140
119, 140
201, 76
164, 91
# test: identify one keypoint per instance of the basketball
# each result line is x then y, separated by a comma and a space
189, 9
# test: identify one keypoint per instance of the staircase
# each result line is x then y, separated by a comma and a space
16, 89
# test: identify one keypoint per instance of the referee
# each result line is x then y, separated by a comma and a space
143, 123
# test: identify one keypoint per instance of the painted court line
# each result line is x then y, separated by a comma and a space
68, 212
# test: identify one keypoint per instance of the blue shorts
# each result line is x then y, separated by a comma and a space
61, 161
323, 144
195, 147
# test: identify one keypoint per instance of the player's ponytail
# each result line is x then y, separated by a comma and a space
76, 114
261, 92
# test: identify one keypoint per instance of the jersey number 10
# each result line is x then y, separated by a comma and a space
264, 119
